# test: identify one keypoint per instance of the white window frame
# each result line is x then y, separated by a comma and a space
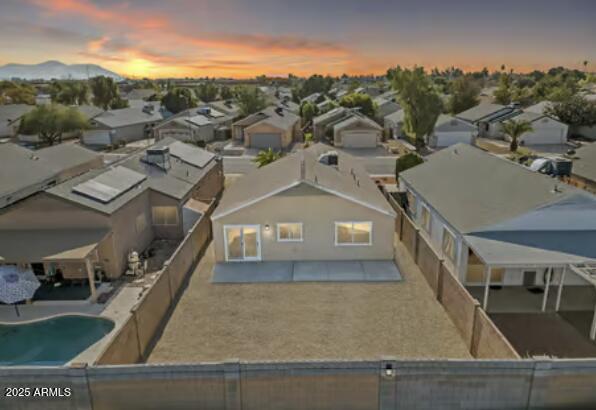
370, 235
424, 207
290, 240
244, 258
153, 209
450, 232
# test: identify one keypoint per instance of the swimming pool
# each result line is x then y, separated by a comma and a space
50, 342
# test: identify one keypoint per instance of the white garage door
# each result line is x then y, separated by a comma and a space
264, 141
359, 139
545, 136
97, 137
446, 139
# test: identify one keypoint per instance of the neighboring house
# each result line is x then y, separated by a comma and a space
487, 118
141, 94
546, 130
449, 131
491, 218
227, 107
583, 174
583, 131
357, 131
262, 216
321, 122
384, 107
312, 98
123, 125
26, 172
325, 106
196, 124
539, 108
91, 222
43, 99
274, 127
393, 124
10, 118
287, 104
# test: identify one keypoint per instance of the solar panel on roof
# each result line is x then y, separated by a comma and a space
191, 155
109, 185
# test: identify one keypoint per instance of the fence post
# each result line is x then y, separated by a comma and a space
232, 385
81, 394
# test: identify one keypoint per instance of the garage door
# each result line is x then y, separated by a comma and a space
359, 139
97, 137
446, 139
265, 141
544, 136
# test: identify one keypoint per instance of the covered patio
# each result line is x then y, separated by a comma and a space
306, 271
55, 255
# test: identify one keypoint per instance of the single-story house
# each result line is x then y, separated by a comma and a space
192, 125
539, 108
261, 216
488, 117
393, 124
273, 127
496, 223
312, 98
227, 107
287, 104
321, 122
141, 94
26, 172
384, 107
583, 174
10, 118
325, 106
546, 130
357, 131
451, 130
583, 131
87, 225
123, 125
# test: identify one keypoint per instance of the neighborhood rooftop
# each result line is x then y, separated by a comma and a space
348, 180
471, 188
585, 164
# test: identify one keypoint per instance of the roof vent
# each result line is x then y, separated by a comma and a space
158, 156
329, 158
279, 111
148, 109
204, 110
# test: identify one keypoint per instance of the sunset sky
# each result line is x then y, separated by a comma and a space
244, 38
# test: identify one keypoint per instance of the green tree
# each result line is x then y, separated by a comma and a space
407, 161
51, 121
308, 111
17, 93
363, 102
502, 94
514, 130
207, 92
464, 94
315, 84
69, 92
178, 99
225, 93
250, 99
420, 103
105, 92
266, 157
576, 110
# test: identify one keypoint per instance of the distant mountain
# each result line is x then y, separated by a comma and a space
54, 70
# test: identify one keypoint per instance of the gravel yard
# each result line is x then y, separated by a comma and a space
305, 321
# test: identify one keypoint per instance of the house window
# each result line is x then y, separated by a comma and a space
412, 202
425, 219
353, 233
289, 232
141, 223
164, 215
448, 245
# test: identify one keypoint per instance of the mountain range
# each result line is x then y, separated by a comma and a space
54, 70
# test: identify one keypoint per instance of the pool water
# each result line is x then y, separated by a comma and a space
50, 342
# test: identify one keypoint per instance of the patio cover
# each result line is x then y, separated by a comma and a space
26, 246
534, 248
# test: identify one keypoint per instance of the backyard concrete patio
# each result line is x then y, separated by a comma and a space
306, 271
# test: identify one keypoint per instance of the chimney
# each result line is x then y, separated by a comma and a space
159, 157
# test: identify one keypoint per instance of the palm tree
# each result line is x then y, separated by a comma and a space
514, 130
266, 157
585, 65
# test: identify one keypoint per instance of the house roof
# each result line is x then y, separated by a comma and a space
21, 168
12, 112
528, 116
584, 164
397, 116
481, 111
88, 111
357, 119
330, 115
226, 106
67, 156
175, 182
446, 119
275, 116
348, 180
128, 116
141, 94
539, 108
472, 189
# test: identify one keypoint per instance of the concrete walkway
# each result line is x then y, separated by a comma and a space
306, 271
